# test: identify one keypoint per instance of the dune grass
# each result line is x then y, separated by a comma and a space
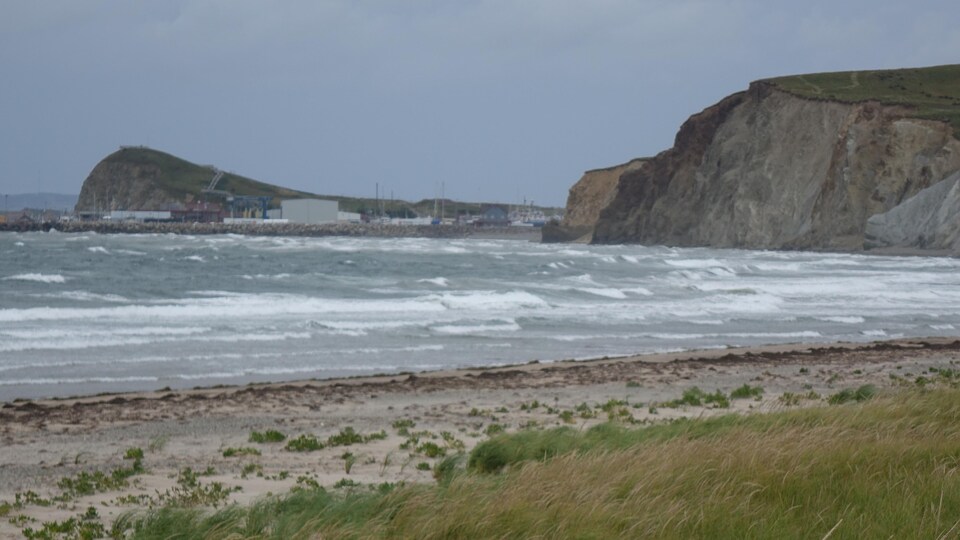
885, 467
933, 92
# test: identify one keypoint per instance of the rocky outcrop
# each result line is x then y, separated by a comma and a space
120, 184
591, 194
768, 169
930, 220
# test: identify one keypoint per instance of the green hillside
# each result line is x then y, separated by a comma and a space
933, 92
180, 178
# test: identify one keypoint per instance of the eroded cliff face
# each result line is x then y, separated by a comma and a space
120, 185
766, 169
591, 194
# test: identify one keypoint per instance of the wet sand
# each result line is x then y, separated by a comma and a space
43, 441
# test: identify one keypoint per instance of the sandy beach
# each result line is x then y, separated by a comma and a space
45, 441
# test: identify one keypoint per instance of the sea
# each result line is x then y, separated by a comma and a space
86, 313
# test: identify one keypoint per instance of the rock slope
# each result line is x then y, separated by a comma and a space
928, 220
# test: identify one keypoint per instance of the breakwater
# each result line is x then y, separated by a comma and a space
281, 229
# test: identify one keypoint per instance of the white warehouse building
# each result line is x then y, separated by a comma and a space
309, 211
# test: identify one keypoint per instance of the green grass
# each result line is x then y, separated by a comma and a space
933, 92
885, 467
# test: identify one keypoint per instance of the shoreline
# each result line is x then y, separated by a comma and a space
533, 367
281, 229
407, 422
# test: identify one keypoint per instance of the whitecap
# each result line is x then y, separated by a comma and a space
843, 320
438, 281
605, 292
41, 278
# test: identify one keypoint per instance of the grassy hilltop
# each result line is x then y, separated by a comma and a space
181, 179
933, 92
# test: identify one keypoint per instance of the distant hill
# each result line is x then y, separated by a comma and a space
38, 201
141, 178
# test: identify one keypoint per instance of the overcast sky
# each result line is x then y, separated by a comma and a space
497, 99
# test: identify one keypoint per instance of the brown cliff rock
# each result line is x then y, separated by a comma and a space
591, 194
768, 169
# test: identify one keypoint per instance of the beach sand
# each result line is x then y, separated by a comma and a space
46, 440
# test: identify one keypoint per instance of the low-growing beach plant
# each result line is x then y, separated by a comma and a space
133, 453
268, 436
452, 442
189, 491
251, 468
85, 526
349, 459
157, 443
345, 483
29, 498
431, 449
790, 399
585, 411
567, 417
304, 443
241, 451
633, 384
494, 429
87, 483
535, 404
746, 392
863, 393
403, 426
423, 466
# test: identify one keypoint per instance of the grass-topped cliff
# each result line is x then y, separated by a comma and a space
933, 92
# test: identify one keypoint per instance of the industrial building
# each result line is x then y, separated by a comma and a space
309, 211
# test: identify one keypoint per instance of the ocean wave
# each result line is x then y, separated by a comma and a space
605, 292
438, 281
466, 329
41, 278
843, 320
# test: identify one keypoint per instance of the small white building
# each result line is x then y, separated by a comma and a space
309, 211
138, 215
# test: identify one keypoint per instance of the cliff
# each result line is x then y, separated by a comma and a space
792, 163
591, 194
140, 178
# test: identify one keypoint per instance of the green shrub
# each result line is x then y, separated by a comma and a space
746, 391
268, 436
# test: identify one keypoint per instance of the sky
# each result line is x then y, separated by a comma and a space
490, 100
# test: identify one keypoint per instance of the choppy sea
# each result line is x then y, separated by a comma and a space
87, 313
